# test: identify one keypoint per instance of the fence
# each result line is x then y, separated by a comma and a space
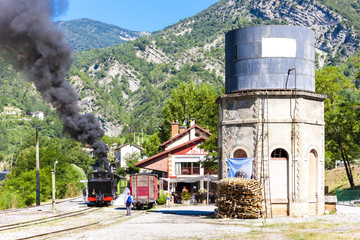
347, 196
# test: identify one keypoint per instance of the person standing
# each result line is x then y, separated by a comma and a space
84, 194
168, 197
128, 204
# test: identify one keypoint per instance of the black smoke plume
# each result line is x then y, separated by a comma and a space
27, 33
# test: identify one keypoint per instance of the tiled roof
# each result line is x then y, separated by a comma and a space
194, 141
183, 133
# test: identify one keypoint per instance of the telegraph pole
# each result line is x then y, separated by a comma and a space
53, 185
37, 169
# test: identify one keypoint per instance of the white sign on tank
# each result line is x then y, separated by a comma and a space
278, 47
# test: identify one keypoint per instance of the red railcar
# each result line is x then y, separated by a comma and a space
144, 190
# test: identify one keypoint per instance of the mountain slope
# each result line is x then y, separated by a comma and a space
349, 9
85, 33
332, 31
127, 84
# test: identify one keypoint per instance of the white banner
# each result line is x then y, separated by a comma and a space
278, 47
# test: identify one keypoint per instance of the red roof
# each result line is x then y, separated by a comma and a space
177, 148
183, 133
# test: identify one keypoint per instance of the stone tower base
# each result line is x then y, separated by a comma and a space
283, 131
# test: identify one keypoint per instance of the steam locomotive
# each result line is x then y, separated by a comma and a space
104, 187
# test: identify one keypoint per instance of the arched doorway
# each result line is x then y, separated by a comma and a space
313, 169
239, 153
279, 181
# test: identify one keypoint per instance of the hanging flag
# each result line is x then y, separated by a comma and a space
240, 167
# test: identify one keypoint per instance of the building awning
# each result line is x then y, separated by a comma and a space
212, 178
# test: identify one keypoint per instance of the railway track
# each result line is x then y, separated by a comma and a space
30, 207
68, 230
46, 219
58, 231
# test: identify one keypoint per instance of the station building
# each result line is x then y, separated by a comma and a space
180, 159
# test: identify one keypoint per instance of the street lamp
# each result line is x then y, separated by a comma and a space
53, 185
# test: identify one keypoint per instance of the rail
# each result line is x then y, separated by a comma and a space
46, 219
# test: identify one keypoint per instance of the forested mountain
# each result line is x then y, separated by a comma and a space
85, 34
126, 85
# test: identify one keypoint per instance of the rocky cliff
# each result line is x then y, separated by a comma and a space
148, 68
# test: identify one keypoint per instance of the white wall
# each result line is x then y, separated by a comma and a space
126, 150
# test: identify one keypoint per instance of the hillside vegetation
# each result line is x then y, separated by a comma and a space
336, 178
174, 74
84, 34
127, 84
349, 9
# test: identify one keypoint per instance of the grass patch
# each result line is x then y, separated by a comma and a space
312, 225
303, 235
336, 179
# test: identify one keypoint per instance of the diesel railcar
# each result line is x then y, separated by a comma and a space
104, 187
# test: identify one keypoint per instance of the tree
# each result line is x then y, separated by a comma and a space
189, 101
341, 117
152, 145
193, 101
20, 183
129, 138
131, 159
121, 171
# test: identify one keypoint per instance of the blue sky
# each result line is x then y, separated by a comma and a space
136, 15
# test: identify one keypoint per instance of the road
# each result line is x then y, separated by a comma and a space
198, 222
180, 222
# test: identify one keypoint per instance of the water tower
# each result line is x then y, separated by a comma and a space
271, 113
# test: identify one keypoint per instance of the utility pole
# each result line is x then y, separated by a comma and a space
37, 169
207, 188
53, 185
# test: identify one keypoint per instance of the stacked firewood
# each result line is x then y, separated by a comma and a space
239, 198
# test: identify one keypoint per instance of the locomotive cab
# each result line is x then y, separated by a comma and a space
101, 188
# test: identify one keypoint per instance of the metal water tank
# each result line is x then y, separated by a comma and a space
270, 57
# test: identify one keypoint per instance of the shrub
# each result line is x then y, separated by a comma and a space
203, 194
162, 198
186, 195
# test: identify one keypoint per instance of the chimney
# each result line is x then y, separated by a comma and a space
182, 129
174, 128
192, 122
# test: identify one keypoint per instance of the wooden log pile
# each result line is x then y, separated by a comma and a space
239, 198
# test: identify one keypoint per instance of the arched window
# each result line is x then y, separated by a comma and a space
312, 175
240, 154
279, 153
279, 175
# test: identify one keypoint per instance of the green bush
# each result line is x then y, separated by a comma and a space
10, 200
186, 195
203, 194
162, 198
121, 171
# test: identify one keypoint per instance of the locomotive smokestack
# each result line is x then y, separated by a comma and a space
27, 32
